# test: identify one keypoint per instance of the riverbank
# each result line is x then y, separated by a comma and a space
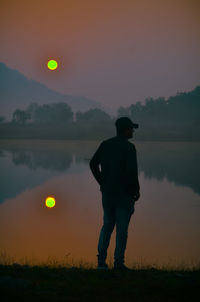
44, 283
98, 131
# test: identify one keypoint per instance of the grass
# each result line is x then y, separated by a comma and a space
55, 281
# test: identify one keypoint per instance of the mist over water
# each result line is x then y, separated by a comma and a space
163, 230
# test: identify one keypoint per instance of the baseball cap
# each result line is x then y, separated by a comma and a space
125, 122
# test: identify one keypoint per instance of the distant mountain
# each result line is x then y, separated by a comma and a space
16, 91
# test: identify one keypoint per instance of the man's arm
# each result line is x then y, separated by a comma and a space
94, 165
132, 173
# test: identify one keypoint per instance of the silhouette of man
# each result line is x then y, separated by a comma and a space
119, 185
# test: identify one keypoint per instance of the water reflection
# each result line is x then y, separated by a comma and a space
177, 162
49, 160
164, 228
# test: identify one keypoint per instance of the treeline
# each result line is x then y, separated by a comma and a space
182, 108
175, 118
57, 121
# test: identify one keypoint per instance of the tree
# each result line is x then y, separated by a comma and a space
51, 113
136, 111
2, 119
20, 117
95, 116
122, 111
32, 109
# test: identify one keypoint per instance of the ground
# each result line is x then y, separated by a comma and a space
43, 283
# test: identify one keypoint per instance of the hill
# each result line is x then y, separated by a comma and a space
17, 91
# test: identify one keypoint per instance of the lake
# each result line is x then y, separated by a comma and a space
164, 230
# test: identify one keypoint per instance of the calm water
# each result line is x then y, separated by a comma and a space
165, 228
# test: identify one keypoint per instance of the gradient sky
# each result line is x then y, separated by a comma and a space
114, 51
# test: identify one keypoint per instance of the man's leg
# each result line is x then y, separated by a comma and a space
123, 215
106, 231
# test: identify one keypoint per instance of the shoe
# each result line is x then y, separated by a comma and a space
121, 267
101, 262
102, 266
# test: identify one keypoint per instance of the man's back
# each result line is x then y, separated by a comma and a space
118, 180
118, 161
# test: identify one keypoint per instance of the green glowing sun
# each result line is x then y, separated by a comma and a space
50, 202
52, 64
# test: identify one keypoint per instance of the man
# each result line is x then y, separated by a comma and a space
119, 185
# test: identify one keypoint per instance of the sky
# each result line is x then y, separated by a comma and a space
116, 52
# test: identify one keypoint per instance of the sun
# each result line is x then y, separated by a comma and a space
52, 64
50, 202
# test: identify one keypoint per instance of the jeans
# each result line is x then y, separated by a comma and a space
117, 211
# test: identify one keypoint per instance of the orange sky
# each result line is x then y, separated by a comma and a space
114, 51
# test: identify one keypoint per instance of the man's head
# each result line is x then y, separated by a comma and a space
125, 127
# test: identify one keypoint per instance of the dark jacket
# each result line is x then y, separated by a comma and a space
119, 172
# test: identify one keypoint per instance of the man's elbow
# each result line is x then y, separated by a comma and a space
92, 165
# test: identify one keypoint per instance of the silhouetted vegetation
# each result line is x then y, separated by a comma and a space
44, 114
175, 118
20, 117
2, 119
